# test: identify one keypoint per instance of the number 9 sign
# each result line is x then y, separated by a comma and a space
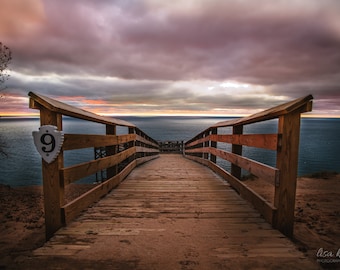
48, 141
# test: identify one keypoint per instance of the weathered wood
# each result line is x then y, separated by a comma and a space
266, 141
146, 141
301, 105
111, 150
265, 208
237, 150
78, 141
146, 149
287, 163
76, 172
213, 144
144, 135
261, 170
171, 146
56, 176
137, 222
145, 159
52, 186
206, 143
74, 208
132, 144
38, 101
285, 142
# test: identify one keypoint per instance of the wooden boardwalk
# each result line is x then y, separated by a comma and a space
170, 213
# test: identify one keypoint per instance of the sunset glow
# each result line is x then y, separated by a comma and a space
172, 58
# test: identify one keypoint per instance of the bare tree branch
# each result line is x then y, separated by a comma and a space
5, 59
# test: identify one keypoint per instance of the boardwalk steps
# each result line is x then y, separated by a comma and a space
170, 213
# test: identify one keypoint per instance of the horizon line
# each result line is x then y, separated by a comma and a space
37, 115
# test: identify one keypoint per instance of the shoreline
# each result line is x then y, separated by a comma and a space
316, 229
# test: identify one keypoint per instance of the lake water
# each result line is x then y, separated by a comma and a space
319, 143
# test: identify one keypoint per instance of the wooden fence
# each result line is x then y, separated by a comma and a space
203, 148
122, 154
171, 147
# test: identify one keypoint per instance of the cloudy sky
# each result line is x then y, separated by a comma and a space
221, 57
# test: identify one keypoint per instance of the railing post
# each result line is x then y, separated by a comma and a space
53, 187
132, 130
213, 144
111, 150
287, 163
206, 144
236, 149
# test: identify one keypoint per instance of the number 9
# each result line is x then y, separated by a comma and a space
48, 140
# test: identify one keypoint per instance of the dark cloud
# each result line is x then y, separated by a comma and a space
140, 51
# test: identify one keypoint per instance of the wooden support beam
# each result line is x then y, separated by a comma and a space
206, 143
111, 150
52, 186
287, 163
72, 209
79, 141
76, 172
236, 149
265, 141
213, 144
133, 130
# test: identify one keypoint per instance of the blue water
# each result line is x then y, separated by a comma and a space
319, 143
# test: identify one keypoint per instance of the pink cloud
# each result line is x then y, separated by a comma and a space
290, 47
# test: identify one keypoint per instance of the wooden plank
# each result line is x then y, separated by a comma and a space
261, 170
126, 220
198, 141
52, 186
141, 149
265, 208
72, 209
78, 141
146, 141
145, 159
236, 169
213, 144
299, 105
287, 162
144, 135
266, 141
65, 109
60, 250
111, 150
76, 172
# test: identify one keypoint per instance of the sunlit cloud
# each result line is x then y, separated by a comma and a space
172, 57
234, 85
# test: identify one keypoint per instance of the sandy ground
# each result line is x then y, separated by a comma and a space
317, 215
316, 233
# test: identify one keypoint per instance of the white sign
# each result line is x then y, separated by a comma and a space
48, 141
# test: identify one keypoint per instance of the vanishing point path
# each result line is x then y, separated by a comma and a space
170, 213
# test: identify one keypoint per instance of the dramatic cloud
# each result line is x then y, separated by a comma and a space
205, 56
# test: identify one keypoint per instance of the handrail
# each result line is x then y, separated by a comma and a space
37, 100
203, 148
122, 154
166, 147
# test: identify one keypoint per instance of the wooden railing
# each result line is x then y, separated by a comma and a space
203, 148
173, 147
122, 154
